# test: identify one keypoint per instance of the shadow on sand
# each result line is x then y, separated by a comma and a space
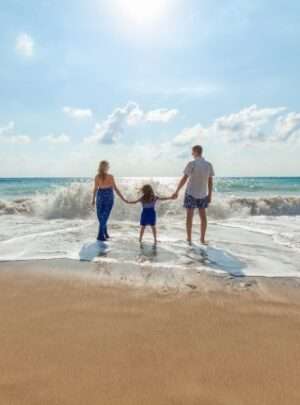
218, 259
208, 256
91, 250
147, 253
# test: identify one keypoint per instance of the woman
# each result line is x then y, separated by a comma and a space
104, 195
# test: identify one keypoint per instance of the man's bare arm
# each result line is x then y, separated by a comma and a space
210, 188
182, 182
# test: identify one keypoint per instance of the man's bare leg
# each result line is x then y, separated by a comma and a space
189, 223
203, 226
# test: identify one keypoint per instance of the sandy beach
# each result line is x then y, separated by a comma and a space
72, 341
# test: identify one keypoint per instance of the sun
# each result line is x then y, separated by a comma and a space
142, 11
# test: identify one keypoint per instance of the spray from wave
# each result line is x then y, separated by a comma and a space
74, 201
64, 202
223, 208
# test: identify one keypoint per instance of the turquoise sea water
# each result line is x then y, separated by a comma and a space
26, 187
11, 188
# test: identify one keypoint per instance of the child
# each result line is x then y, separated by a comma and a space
148, 216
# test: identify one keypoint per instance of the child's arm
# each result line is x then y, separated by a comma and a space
133, 202
165, 198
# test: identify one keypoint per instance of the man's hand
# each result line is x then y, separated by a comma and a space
175, 196
209, 199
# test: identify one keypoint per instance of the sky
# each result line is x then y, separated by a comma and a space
139, 82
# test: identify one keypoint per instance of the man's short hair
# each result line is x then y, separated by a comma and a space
198, 149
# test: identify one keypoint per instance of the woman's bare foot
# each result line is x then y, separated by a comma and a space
204, 242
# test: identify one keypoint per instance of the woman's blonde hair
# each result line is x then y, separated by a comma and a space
103, 165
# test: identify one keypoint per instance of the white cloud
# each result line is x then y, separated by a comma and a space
190, 135
288, 127
112, 128
8, 135
135, 116
161, 115
7, 128
78, 113
15, 139
250, 125
59, 139
25, 45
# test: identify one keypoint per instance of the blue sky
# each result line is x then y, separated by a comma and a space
139, 82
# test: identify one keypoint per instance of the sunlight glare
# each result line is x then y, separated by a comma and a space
141, 11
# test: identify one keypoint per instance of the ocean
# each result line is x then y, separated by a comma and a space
254, 229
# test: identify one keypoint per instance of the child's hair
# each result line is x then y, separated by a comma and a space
103, 165
148, 193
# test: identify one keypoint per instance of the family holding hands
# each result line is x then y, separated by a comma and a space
199, 175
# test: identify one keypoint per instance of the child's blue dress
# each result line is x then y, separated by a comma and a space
148, 216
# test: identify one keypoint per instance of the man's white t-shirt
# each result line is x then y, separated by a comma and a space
198, 171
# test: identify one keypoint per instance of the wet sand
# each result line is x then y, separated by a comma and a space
71, 341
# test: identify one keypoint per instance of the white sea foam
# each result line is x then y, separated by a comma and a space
73, 201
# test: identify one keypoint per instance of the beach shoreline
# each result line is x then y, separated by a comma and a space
70, 340
253, 228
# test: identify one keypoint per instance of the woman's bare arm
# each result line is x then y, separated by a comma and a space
95, 190
118, 192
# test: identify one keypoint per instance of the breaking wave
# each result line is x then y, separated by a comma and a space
74, 201
268, 206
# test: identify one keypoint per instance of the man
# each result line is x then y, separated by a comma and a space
199, 174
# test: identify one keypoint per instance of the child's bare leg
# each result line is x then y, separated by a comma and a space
189, 223
202, 213
142, 230
154, 234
